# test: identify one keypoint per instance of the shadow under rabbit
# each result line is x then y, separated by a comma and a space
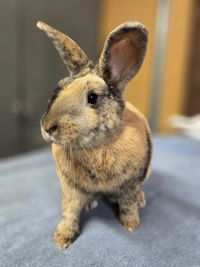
163, 204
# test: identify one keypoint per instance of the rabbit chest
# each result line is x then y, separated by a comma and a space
103, 169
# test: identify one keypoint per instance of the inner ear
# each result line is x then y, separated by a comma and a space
123, 57
123, 54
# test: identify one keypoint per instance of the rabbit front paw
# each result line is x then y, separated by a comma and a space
130, 222
130, 218
63, 239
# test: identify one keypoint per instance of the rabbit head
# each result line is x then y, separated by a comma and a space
86, 109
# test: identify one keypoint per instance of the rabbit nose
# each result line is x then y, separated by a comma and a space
52, 129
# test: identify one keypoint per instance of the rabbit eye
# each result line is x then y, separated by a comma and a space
92, 98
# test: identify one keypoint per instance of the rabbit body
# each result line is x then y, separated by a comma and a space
101, 144
105, 168
116, 170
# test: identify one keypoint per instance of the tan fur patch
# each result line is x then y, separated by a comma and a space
130, 145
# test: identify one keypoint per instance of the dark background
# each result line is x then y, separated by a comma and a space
30, 66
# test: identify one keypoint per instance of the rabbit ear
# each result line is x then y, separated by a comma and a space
72, 55
123, 53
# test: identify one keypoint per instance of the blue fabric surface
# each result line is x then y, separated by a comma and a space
169, 234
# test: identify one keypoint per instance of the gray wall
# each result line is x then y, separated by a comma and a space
30, 66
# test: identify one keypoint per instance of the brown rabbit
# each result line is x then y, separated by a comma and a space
101, 144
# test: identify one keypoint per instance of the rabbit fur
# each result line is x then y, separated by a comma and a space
101, 144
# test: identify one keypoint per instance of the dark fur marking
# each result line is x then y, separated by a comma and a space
56, 93
148, 159
113, 91
116, 98
53, 97
90, 173
67, 82
124, 209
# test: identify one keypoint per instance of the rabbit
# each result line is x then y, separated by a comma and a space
101, 143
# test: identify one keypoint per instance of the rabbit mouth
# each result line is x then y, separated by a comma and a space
62, 142
85, 140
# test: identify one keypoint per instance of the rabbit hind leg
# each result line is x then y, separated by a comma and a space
129, 215
129, 200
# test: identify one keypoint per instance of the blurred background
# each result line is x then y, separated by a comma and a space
167, 85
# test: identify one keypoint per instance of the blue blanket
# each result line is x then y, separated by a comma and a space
169, 234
